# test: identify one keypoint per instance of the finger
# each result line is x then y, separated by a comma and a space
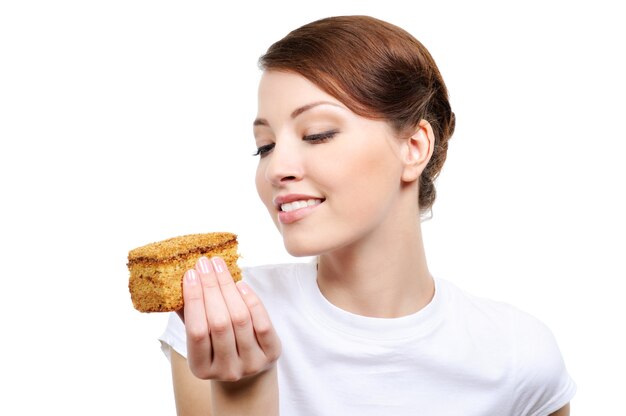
264, 330
196, 326
247, 345
218, 318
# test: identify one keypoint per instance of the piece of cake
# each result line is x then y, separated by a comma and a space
157, 269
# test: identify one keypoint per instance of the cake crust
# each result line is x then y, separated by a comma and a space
157, 269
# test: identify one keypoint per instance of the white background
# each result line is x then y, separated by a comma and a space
126, 122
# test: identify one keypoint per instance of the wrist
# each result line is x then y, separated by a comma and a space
252, 395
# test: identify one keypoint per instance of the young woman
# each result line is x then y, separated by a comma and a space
352, 129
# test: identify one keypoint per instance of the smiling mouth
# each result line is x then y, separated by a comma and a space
292, 206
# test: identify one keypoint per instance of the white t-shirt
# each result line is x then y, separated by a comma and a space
460, 355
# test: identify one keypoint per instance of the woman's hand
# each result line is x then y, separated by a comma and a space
231, 341
229, 333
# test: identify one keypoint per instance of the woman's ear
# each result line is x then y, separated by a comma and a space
417, 151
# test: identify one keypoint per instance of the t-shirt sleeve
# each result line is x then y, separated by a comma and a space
174, 337
542, 383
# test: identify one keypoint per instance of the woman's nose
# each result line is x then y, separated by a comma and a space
284, 164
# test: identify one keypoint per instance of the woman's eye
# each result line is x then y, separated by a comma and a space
263, 150
311, 138
320, 137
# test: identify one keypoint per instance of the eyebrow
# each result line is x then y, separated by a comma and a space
295, 113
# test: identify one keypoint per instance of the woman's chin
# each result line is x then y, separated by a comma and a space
300, 251
302, 247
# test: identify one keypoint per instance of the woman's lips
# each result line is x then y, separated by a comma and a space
295, 210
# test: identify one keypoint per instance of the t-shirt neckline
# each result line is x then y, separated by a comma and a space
412, 326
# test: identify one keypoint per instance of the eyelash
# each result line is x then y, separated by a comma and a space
311, 138
263, 150
320, 137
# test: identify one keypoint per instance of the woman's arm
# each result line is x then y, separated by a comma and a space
192, 395
563, 411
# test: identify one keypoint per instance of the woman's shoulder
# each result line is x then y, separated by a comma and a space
527, 336
489, 311
537, 367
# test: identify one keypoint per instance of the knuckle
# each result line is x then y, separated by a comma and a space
253, 302
252, 371
190, 295
240, 320
273, 356
220, 325
231, 375
208, 282
196, 334
263, 330
225, 279
201, 373
255, 367
199, 370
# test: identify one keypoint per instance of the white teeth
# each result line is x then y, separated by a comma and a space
291, 206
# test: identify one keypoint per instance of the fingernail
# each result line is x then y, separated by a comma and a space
218, 264
203, 265
191, 277
243, 288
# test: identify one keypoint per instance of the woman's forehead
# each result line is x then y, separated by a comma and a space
288, 94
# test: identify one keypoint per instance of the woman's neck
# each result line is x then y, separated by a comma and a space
384, 276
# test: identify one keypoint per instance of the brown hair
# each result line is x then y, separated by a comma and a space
378, 71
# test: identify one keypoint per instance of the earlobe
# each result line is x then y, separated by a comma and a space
419, 149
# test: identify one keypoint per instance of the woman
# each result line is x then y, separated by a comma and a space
352, 129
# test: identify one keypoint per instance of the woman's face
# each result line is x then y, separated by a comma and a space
328, 177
